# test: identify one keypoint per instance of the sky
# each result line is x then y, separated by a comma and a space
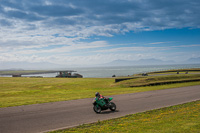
92, 32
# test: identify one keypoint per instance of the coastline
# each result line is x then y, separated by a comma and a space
104, 72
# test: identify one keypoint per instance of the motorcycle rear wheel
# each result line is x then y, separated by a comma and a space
97, 109
112, 106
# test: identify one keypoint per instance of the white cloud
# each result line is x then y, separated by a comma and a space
134, 49
185, 46
38, 31
159, 42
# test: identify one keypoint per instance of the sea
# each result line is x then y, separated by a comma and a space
106, 72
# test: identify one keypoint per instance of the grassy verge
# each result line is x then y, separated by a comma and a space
183, 118
24, 72
25, 91
159, 80
180, 71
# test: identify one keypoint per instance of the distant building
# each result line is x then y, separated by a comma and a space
144, 74
69, 74
16, 75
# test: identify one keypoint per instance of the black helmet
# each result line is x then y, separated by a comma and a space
97, 94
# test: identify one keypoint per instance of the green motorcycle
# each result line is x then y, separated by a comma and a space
103, 104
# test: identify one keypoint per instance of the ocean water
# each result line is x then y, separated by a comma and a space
101, 72
128, 70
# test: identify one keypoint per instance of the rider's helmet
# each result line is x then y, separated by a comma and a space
97, 94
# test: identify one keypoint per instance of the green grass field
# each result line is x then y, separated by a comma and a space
173, 72
25, 72
163, 79
181, 71
25, 91
183, 118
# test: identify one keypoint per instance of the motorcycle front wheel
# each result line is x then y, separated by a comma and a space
97, 109
112, 106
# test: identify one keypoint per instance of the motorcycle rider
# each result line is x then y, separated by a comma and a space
98, 96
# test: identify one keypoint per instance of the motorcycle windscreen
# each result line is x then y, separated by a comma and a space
110, 98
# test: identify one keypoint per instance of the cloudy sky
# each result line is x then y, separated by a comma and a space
98, 31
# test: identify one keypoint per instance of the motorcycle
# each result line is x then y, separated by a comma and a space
103, 104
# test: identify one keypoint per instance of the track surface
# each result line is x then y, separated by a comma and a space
59, 115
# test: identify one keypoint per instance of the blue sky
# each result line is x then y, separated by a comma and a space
98, 31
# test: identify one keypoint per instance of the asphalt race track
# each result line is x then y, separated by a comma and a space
59, 115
